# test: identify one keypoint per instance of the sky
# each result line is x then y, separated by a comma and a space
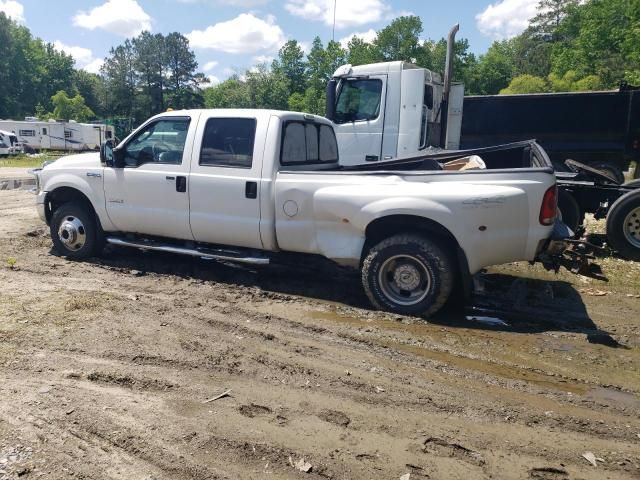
229, 36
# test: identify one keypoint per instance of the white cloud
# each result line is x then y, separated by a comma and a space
213, 80
94, 66
348, 13
368, 36
13, 10
210, 66
122, 17
83, 56
402, 13
506, 18
263, 59
244, 34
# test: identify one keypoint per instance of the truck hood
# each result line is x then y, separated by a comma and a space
82, 160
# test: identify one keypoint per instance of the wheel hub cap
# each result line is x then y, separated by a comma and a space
72, 233
632, 227
407, 277
405, 280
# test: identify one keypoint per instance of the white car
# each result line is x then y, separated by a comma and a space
243, 185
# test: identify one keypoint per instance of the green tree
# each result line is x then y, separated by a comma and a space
526, 84
362, 53
232, 93
400, 40
149, 56
70, 108
121, 80
268, 89
91, 87
291, 64
182, 78
494, 69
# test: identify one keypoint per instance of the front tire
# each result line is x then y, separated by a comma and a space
75, 231
409, 275
623, 226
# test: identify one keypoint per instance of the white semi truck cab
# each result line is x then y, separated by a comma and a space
390, 110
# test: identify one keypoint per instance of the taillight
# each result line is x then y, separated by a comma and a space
549, 208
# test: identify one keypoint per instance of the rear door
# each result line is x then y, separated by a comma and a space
359, 119
225, 180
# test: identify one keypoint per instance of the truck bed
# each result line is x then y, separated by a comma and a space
519, 155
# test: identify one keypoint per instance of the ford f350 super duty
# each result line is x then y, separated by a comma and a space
242, 185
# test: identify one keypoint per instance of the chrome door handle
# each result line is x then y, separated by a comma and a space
95, 175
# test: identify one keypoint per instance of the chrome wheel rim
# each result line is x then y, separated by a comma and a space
72, 233
631, 227
405, 280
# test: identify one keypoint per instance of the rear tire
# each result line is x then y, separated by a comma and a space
75, 231
409, 275
623, 226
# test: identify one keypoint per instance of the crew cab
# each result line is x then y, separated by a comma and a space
243, 185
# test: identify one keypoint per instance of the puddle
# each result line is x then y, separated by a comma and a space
471, 364
492, 321
611, 396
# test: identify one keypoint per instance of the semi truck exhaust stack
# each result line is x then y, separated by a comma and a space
448, 75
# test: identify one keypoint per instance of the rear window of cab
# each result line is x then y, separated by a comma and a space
308, 143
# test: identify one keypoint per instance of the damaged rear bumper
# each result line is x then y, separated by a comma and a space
577, 256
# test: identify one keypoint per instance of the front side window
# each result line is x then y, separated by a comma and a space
27, 133
44, 131
308, 143
359, 100
160, 142
228, 142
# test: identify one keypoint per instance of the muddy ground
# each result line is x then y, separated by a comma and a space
105, 365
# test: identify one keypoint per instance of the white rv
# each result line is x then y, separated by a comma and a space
54, 135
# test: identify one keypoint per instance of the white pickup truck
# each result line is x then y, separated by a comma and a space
242, 185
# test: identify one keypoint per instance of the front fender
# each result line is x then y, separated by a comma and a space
90, 187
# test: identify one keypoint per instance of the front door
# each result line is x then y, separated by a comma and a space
359, 119
225, 181
150, 194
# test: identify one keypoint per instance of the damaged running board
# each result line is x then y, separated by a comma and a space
205, 253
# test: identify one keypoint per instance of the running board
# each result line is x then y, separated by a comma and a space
228, 255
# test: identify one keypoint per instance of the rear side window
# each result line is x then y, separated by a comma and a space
228, 142
308, 143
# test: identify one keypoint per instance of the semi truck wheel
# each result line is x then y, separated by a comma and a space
572, 214
623, 226
75, 232
408, 274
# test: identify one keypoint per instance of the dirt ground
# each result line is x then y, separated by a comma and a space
105, 366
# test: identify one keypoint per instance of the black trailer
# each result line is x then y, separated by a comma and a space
599, 129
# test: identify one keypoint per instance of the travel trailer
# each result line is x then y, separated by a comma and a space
54, 135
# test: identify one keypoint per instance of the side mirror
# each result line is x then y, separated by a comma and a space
106, 153
331, 99
111, 156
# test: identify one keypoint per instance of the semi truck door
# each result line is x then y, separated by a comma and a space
359, 119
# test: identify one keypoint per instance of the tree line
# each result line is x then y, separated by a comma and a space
570, 46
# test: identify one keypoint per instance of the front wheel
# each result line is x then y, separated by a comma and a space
408, 274
623, 226
75, 231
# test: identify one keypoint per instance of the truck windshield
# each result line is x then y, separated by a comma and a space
358, 100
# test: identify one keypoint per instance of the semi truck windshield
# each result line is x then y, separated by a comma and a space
358, 100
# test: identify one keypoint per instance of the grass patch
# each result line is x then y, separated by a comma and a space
25, 161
